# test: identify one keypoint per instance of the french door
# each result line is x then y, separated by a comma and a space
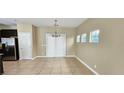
55, 46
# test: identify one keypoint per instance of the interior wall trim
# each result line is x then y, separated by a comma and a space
96, 73
70, 56
51, 57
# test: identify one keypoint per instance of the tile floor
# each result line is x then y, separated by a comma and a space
46, 66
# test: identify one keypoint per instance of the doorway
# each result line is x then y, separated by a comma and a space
55, 46
25, 45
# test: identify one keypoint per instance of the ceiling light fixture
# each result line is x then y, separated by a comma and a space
56, 34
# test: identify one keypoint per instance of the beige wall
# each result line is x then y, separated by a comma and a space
7, 27
34, 41
24, 27
108, 55
70, 34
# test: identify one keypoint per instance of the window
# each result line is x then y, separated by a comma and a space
84, 38
78, 38
94, 36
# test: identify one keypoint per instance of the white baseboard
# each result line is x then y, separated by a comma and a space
70, 56
34, 58
26, 59
51, 57
38, 57
86, 65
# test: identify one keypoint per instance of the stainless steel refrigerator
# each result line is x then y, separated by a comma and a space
10, 48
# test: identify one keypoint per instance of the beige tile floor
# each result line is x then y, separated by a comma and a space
46, 66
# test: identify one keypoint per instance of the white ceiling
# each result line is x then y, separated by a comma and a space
63, 22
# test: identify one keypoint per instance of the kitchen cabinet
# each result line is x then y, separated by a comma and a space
1, 64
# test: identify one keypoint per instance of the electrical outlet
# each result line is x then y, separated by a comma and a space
94, 66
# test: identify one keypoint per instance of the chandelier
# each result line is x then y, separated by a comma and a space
56, 34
